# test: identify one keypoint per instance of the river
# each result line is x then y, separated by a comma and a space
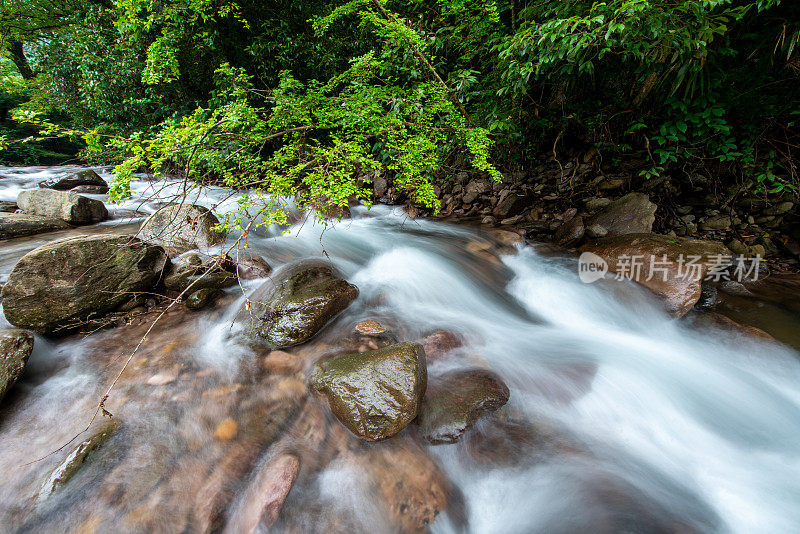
620, 418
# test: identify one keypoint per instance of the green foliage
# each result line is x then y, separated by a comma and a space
310, 98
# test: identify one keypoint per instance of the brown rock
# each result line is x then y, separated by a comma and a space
251, 267
631, 214
412, 487
659, 258
375, 394
570, 232
265, 495
455, 401
226, 430
369, 328
438, 344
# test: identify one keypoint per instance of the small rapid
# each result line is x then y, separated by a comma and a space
620, 419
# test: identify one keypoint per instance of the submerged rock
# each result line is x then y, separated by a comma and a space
19, 224
631, 214
74, 460
369, 328
72, 180
15, 349
56, 287
298, 303
662, 264
455, 401
65, 205
411, 487
438, 344
375, 394
182, 227
264, 498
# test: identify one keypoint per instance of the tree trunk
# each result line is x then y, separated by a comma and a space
19, 59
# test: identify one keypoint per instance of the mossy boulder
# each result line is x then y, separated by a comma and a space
65, 205
182, 227
375, 394
19, 224
68, 181
15, 349
298, 303
56, 287
455, 401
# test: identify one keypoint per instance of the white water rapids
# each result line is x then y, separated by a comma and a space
632, 421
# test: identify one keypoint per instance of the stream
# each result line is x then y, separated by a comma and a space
620, 419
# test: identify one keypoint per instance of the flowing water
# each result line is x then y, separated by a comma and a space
620, 418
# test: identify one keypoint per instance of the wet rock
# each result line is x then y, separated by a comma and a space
199, 272
90, 189
506, 237
74, 460
65, 205
455, 401
631, 214
18, 225
182, 227
282, 362
202, 298
411, 486
374, 394
56, 287
298, 303
570, 232
8, 206
334, 212
15, 349
718, 320
69, 181
665, 261
438, 344
252, 267
369, 328
265, 495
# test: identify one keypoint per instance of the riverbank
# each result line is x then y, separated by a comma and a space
540, 201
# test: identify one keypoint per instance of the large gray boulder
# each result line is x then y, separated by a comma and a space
65, 205
298, 303
15, 349
182, 227
19, 224
375, 394
56, 287
631, 214
68, 181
